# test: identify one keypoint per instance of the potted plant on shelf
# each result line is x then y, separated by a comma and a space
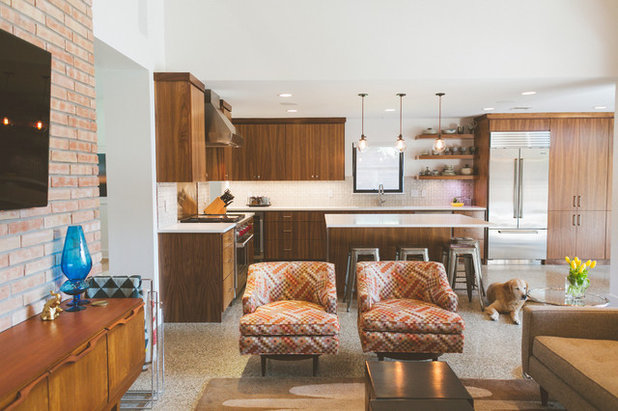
577, 282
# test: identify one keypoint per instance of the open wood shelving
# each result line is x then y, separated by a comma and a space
445, 136
455, 177
445, 157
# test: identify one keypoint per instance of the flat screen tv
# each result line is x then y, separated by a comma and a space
25, 72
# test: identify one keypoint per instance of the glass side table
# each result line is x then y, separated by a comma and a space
555, 296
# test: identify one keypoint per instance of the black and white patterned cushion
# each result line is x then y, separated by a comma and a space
121, 286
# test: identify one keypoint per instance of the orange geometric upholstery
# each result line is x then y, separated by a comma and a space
407, 306
290, 308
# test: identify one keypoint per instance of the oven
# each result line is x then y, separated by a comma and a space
244, 253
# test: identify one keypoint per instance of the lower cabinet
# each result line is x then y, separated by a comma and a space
576, 233
85, 360
125, 351
295, 235
80, 381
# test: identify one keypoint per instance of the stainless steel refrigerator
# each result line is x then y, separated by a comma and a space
518, 191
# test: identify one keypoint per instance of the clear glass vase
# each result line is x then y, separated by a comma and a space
575, 290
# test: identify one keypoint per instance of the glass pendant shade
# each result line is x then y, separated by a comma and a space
400, 144
76, 261
362, 144
439, 145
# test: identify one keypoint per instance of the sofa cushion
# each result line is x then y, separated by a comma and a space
410, 316
289, 317
588, 366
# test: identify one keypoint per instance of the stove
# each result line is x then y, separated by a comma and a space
213, 218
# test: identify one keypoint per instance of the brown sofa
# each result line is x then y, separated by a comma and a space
572, 353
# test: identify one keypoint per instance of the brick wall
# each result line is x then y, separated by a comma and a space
31, 240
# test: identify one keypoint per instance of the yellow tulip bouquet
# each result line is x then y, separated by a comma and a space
577, 281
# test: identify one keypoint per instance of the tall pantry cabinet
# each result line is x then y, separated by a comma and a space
579, 181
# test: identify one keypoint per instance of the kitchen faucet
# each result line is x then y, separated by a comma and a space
381, 199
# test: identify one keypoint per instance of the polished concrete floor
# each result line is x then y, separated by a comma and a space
195, 353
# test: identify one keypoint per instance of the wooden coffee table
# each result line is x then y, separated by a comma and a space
398, 385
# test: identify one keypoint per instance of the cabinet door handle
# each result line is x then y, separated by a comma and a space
287, 249
76, 357
579, 198
579, 219
23, 393
574, 202
573, 220
125, 320
286, 216
287, 231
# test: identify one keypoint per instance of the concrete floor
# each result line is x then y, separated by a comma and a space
195, 353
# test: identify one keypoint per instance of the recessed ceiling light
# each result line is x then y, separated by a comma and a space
528, 93
600, 107
488, 108
389, 109
291, 110
521, 108
285, 95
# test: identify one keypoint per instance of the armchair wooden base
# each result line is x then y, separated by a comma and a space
290, 357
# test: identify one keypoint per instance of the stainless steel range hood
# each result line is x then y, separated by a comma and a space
220, 132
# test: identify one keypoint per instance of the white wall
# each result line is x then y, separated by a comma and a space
130, 158
392, 39
135, 28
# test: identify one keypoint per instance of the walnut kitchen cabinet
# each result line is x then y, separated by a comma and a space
219, 163
315, 151
197, 275
262, 155
579, 158
294, 235
576, 233
180, 128
290, 149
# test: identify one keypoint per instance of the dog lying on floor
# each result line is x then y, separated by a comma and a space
508, 297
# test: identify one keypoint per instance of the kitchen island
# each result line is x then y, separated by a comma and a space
389, 231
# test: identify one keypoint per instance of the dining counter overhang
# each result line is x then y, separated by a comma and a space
387, 232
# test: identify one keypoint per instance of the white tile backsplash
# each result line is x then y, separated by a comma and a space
339, 193
167, 204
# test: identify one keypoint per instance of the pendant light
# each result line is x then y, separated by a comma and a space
362, 142
400, 144
439, 145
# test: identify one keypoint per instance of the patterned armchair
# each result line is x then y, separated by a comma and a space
407, 307
290, 311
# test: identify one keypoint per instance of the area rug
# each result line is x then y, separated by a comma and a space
267, 393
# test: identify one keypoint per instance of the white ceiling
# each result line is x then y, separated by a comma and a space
479, 52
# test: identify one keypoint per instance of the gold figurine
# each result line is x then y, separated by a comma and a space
52, 309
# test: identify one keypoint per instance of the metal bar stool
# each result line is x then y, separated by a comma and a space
404, 252
472, 263
350, 272
457, 240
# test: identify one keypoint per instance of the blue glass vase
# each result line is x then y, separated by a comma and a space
76, 263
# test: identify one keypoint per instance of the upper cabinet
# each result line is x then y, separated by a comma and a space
180, 128
579, 159
290, 149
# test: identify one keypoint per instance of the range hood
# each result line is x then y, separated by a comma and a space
220, 132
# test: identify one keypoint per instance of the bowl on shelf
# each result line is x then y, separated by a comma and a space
466, 170
430, 131
449, 131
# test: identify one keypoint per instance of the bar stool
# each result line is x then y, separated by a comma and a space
472, 264
350, 272
457, 240
404, 252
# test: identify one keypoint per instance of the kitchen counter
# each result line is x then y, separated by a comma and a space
402, 221
356, 208
202, 227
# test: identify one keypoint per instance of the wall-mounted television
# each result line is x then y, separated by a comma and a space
25, 72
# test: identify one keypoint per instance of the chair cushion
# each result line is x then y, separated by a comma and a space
289, 344
376, 341
411, 316
290, 317
588, 366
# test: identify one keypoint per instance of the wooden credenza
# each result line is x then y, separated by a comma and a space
82, 361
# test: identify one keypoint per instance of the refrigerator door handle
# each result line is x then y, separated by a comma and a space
515, 188
520, 196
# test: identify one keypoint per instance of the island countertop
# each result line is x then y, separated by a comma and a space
402, 221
